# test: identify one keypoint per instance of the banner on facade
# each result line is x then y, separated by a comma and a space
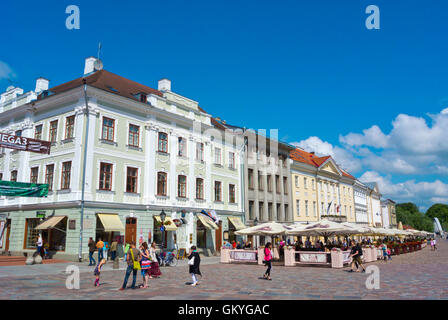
24, 144
23, 189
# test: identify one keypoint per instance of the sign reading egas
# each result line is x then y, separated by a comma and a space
24, 144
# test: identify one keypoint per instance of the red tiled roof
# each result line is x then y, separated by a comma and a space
110, 82
300, 155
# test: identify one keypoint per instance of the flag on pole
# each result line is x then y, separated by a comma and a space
329, 206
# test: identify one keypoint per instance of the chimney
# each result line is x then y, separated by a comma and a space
41, 85
88, 68
164, 85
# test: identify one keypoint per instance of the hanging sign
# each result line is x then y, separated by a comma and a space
25, 144
23, 189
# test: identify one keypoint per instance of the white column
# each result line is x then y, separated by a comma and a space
208, 174
191, 175
172, 175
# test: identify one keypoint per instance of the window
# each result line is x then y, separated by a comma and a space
65, 178
134, 135
217, 156
313, 184
260, 181
38, 132
231, 193
105, 176
286, 211
314, 209
261, 209
161, 183
13, 176
53, 130
218, 197
31, 233
182, 186
199, 151
199, 188
49, 173
270, 213
251, 210
285, 185
322, 212
34, 174
131, 180
304, 183
182, 147
163, 142
306, 208
298, 207
231, 160
69, 127
18, 133
143, 98
296, 178
251, 178
269, 182
277, 183
108, 129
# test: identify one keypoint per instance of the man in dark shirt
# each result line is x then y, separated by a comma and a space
133, 255
356, 254
92, 248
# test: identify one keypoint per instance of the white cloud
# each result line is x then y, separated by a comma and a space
5, 71
323, 148
373, 137
419, 192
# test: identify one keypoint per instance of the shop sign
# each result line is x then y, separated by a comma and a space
243, 255
40, 214
346, 256
25, 144
23, 189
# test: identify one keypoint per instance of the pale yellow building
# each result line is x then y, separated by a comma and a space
320, 189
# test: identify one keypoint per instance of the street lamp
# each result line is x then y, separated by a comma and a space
162, 217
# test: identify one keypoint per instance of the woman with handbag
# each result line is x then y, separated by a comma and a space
193, 262
155, 270
268, 260
145, 264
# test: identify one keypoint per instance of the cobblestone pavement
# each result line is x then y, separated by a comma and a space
418, 275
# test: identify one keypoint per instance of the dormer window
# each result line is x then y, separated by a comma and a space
143, 97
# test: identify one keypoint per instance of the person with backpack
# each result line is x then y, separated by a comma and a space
193, 263
268, 261
356, 254
133, 261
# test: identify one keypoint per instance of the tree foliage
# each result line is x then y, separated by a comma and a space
408, 213
440, 211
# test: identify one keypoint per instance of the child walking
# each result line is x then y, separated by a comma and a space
97, 272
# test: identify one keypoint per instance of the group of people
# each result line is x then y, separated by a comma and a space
144, 259
103, 248
433, 243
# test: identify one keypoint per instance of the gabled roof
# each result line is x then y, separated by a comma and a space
110, 82
310, 158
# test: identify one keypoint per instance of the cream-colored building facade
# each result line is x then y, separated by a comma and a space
320, 189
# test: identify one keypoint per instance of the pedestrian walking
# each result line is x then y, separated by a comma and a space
39, 244
113, 249
126, 250
105, 249
268, 261
435, 244
145, 264
384, 250
356, 254
389, 254
92, 248
194, 262
155, 270
133, 261
97, 272
99, 246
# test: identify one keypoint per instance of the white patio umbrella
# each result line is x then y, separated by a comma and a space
360, 229
265, 229
323, 228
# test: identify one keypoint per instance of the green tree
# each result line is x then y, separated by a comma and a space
439, 211
408, 213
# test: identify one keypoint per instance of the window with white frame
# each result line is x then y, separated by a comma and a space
199, 151
182, 147
218, 156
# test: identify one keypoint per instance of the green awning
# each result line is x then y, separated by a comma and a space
23, 189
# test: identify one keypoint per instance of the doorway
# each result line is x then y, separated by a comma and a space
131, 230
8, 232
218, 237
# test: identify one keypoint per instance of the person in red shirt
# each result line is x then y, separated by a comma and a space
233, 244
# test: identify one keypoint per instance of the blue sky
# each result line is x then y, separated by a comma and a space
309, 68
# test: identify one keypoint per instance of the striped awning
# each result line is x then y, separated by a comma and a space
237, 223
207, 222
168, 223
111, 222
50, 223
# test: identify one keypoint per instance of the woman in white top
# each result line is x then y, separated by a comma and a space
155, 270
